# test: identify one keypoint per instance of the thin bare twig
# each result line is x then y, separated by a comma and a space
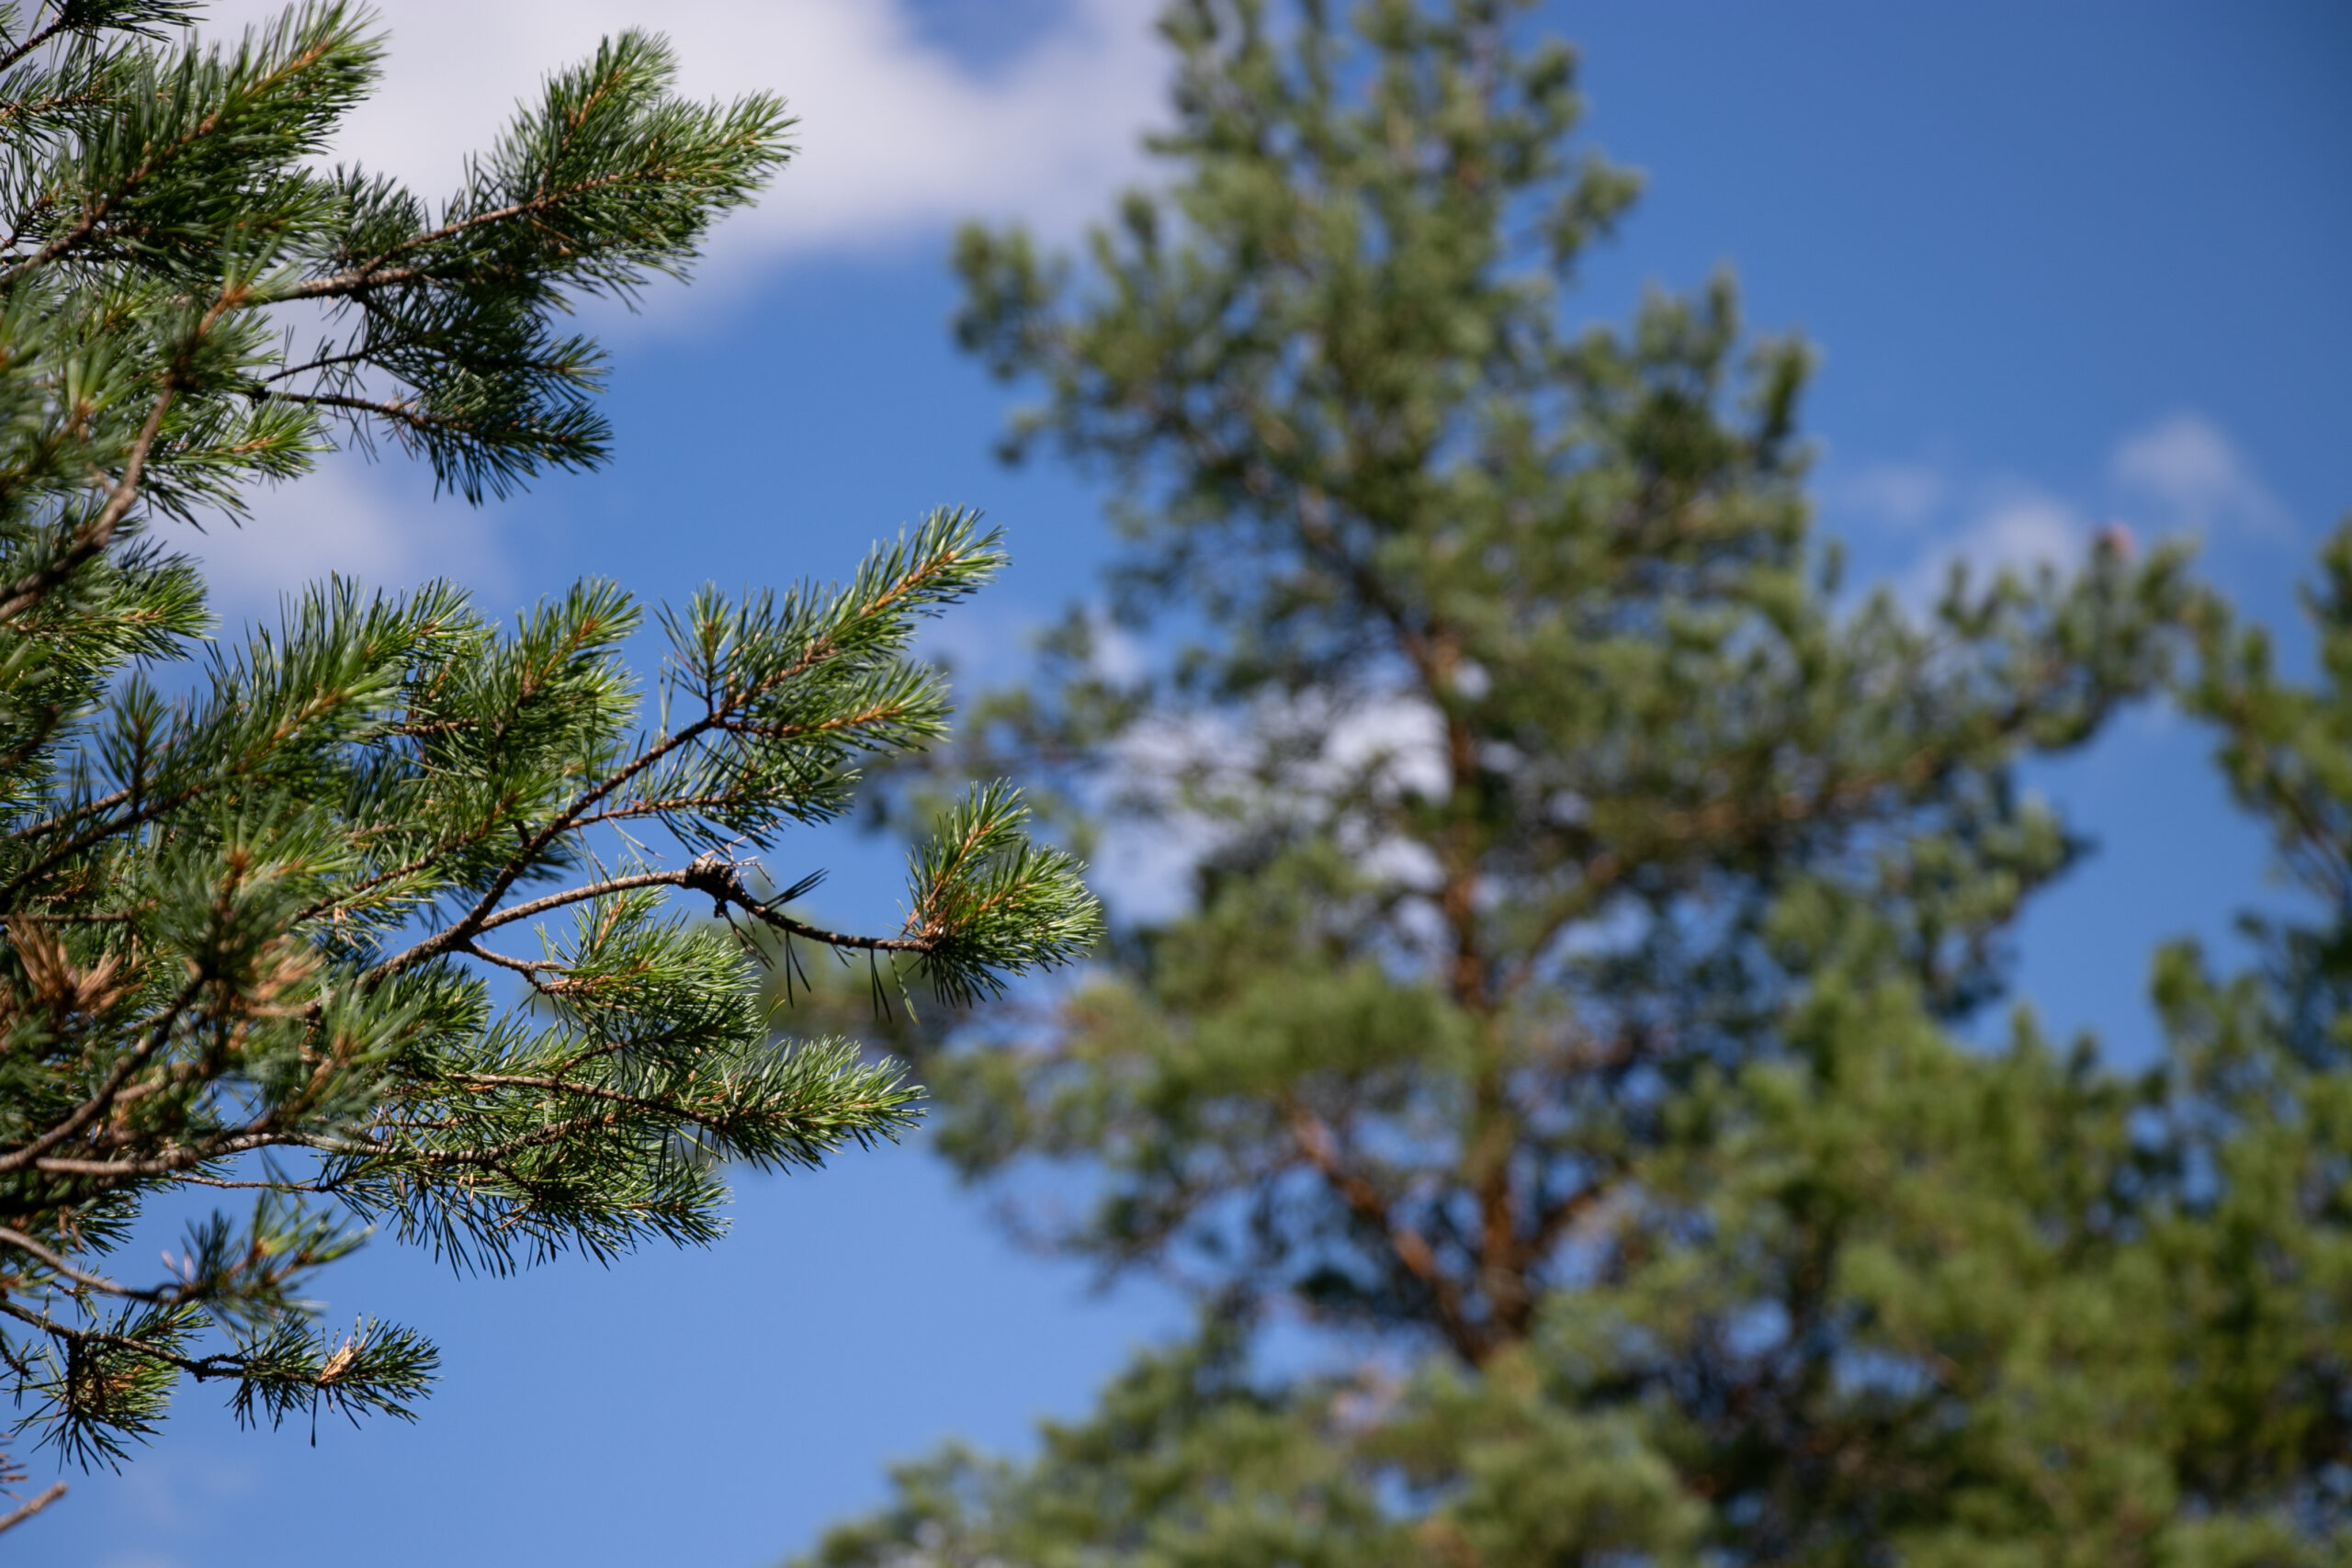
27, 1510
57, 1264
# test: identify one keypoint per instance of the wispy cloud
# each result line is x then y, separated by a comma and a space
2180, 474
1924, 519
898, 135
2186, 466
1898, 496
2011, 527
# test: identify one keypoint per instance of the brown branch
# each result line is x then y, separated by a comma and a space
724, 883
197, 1368
170, 1163
348, 896
577, 894
93, 1108
35, 39
406, 412
27, 1510
565, 1085
528, 968
533, 846
32, 108
858, 721
33, 587
373, 274
731, 888
96, 213
155, 807
57, 1264
492, 1156
173, 1161
257, 1186
669, 805
707, 875
1411, 1249
325, 361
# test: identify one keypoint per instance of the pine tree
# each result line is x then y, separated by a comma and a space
1587, 892
391, 916
1524, 721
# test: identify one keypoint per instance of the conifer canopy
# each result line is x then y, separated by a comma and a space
1589, 887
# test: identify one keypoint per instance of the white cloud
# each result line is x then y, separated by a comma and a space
2016, 528
1898, 496
1252, 767
1143, 865
2021, 532
374, 525
1144, 871
896, 136
2180, 473
2186, 465
1399, 744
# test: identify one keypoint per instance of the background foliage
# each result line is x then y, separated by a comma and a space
1588, 893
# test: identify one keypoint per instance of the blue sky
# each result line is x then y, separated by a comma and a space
2065, 263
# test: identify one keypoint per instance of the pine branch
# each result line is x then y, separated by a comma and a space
246, 925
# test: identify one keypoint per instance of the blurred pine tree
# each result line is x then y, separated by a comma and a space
1584, 894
